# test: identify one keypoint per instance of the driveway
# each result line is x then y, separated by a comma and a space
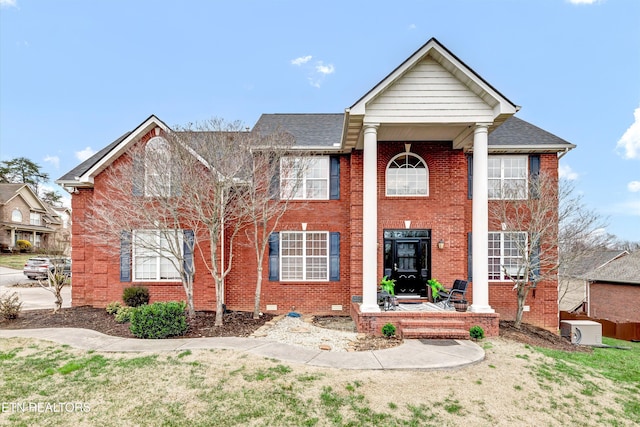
32, 298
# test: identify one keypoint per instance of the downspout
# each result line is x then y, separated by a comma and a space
566, 150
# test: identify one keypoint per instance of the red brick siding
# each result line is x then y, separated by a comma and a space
615, 302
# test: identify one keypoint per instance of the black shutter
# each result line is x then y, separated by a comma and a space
469, 257
534, 173
125, 256
334, 257
334, 178
469, 176
187, 253
274, 256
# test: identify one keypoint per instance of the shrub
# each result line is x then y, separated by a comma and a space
388, 330
23, 245
123, 314
476, 332
135, 296
10, 306
159, 320
113, 307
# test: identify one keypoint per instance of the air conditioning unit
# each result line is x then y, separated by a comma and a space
583, 332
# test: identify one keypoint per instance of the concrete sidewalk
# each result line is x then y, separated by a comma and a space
411, 355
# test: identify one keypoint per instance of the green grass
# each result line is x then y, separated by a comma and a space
15, 261
224, 388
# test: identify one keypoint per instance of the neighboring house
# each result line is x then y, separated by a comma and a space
613, 290
23, 216
404, 179
572, 287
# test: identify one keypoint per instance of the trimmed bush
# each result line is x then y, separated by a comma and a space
159, 320
23, 245
10, 306
123, 314
135, 296
476, 332
113, 307
388, 330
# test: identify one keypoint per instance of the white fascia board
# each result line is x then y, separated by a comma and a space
553, 148
151, 123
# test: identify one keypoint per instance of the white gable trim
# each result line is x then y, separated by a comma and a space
500, 104
149, 124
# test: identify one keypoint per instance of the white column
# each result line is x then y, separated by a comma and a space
370, 220
480, 221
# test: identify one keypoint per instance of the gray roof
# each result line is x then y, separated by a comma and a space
308, 130
624, 270
7, 191
325, 131
91, 161
586, 264
515, 131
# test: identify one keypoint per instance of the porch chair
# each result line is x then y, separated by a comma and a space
456, 293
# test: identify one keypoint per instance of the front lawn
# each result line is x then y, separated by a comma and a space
15, 261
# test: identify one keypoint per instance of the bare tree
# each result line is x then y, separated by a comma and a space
263, 202
547, 226
139, 205
58, 271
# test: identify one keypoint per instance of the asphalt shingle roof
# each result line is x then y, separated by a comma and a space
515, 131
308, 130
625, 269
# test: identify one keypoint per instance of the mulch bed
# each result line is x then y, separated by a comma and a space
242, 324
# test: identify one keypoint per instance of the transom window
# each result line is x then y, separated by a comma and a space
407, 175
157, 170
154, 255
16, 215
304, 178
507, 177
505, 255
304, 256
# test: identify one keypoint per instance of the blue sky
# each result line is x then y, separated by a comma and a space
75, 75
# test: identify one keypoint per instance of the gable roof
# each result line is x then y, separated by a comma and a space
516, 134
624, 270
589, 262
12, 190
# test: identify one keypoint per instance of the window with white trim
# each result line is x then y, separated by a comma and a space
16, 215
304, 178
508, 177
407, 175
154, 255
157, 170
506, 251
304, 255
35, 218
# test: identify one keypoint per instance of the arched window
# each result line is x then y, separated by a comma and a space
16, 215
157, 173
407, 175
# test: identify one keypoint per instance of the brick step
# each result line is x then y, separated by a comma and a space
432, 323
449, 333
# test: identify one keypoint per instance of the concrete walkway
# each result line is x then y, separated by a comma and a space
411, 355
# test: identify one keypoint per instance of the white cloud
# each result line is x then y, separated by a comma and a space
566, 172
324, 69
584, 1
83, 155
630, 141
634, 186
301, 60
54, 160
8, 3
412, 26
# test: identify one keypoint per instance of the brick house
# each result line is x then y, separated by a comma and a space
402, 183
613, 290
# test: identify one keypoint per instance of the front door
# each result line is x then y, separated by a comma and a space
407, 260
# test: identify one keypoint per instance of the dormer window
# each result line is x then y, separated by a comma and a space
16, 215
407, 175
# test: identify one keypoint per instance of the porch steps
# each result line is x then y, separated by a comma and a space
433, 328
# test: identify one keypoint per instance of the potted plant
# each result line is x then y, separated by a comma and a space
388, 285
436, 287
